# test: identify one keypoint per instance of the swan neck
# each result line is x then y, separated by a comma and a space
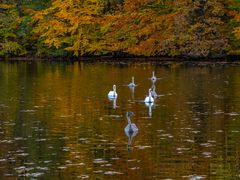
129, 121
149, 93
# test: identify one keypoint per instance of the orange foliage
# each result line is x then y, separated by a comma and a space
133, 5
142, 29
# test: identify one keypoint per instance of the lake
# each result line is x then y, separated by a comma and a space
56, 121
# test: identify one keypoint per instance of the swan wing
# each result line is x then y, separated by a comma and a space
149, 100
127, 128
146, 99
112, 94
134, 127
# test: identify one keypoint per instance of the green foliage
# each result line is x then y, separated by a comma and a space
233, 23
9, 23
36, 4
11, 48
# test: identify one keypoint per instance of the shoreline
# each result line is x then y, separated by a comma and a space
111, 59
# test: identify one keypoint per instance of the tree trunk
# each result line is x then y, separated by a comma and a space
19, 7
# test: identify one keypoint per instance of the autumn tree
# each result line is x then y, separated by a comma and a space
200, 29
234, 23
143, 27
71, 25
234, 12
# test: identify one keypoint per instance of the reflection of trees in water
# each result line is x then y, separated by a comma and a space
194, 126
209, 104
80, 125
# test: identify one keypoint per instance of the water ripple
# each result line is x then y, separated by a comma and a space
112, 173
99, 161
143, 147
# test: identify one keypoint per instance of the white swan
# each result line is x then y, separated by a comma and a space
149, 98
153, 78
132, 84
131, 127
112, 94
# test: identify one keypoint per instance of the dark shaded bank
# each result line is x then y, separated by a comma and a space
127, 58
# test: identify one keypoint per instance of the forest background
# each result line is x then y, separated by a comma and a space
149, 28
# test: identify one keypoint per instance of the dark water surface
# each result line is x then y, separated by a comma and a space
56, 121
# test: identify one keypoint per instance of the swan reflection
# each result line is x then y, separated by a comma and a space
132, 90
114, 100
149, 105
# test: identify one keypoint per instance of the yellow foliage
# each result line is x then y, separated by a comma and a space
72, 23
237, 17
6, 6
237, 32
